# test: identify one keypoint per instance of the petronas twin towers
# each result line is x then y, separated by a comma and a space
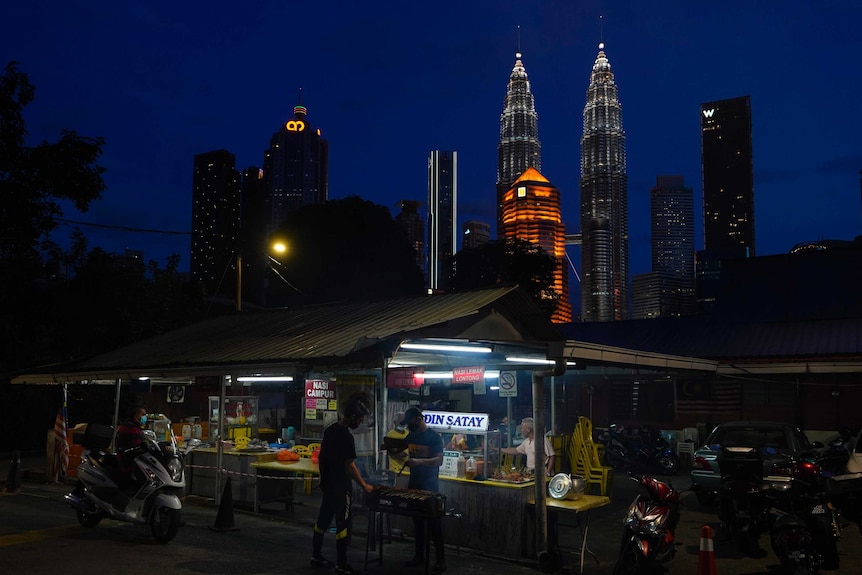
603, 188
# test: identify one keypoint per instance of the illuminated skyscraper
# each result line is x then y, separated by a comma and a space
519, 146
604, 201
531, 212
215, 221
295, 167
442, 217
728, 176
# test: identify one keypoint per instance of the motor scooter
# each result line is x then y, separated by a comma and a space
149, 497
803, 524
742, 509
648, 534
648, 451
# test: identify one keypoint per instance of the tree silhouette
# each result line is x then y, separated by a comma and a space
508, 261
347, 249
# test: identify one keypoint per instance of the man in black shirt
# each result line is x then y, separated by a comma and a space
337, 468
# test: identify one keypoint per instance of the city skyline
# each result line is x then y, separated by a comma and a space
164, 84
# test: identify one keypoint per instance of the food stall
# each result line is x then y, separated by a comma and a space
495, 501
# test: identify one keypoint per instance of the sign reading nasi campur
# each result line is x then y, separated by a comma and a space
319, 389
294, 126
452, 421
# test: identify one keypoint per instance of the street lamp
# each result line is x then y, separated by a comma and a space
276, 246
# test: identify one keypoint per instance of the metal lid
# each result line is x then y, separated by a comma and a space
560, 485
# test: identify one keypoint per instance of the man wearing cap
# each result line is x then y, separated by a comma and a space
337, 470
426, 456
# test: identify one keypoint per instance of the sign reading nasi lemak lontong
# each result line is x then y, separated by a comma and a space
452, 421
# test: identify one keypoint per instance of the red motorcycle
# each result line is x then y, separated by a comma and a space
648, 536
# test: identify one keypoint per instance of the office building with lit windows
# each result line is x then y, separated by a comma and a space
474, 233
442, 218
295, 167
519, 147
531, 212
669, 289
215, 221
604, 201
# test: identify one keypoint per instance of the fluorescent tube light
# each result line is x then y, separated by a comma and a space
535, 360
266, 378
447, 347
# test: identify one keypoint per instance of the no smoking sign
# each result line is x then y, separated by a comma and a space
508, 384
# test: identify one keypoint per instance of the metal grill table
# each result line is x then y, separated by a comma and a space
414, 503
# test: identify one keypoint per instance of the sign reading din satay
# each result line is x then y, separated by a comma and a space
454, 421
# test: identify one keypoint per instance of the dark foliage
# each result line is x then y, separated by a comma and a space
348, 249
505, 262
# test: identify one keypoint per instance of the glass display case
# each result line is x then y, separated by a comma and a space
240, 418
483, 446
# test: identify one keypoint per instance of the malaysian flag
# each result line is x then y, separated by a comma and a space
701, 397
61, 443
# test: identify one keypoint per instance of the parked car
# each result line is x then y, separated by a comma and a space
776, 441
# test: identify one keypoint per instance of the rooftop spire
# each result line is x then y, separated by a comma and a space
518, 53
299, 110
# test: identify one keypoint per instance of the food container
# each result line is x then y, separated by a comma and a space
565, 486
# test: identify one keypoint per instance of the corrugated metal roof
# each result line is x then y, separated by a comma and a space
336, 332
730, 341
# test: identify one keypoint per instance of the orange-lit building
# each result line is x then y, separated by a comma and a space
531, 212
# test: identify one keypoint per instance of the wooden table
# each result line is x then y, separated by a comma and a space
279, 471
578, 508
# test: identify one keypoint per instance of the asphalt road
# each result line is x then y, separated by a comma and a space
39, 534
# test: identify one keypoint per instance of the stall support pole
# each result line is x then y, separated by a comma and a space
539, 445
116, 416
219, 438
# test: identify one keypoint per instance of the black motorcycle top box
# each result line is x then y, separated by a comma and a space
93, 435
740, 462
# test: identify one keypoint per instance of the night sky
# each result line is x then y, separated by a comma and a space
387, 82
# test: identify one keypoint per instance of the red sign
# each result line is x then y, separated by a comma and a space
468, 374
402, 378
319, 389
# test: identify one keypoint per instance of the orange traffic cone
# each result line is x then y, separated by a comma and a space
706, 559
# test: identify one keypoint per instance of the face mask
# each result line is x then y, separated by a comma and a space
143, 419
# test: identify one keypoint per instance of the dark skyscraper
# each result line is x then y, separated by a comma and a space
519, 146
604, 201
728, 176
254, 235
442, 217
295, 167
215, 221
411, 222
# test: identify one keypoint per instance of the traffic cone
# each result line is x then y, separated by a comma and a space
224, 517
706, 559
13, 478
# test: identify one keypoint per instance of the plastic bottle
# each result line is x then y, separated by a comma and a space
462, 466
470, 468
